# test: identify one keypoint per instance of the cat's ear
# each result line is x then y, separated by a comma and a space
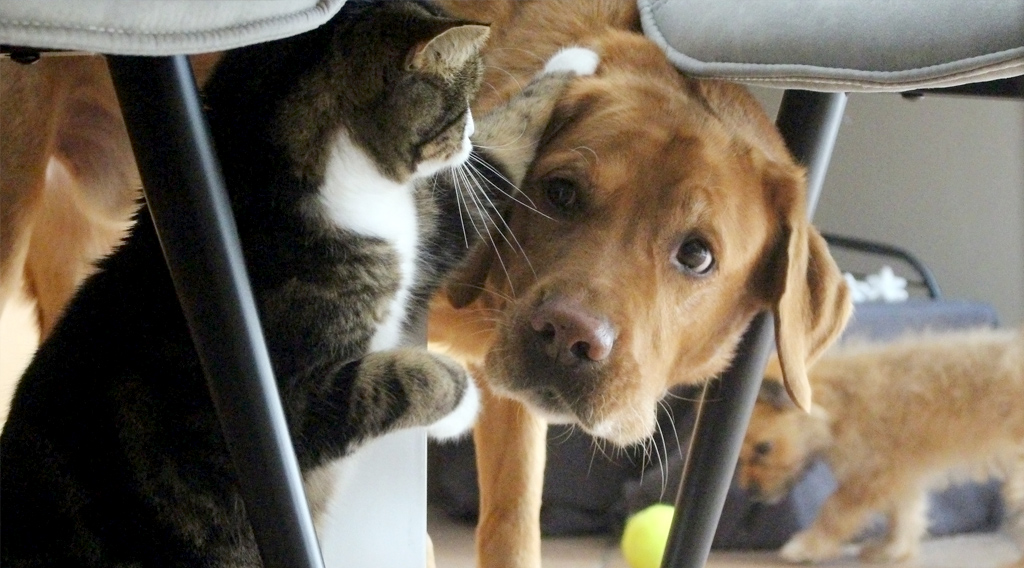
449, 50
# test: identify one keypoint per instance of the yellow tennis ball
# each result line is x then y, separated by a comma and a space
643, 541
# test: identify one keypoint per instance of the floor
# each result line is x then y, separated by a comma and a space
453, 541
453, 548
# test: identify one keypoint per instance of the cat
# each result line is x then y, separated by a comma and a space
344, 151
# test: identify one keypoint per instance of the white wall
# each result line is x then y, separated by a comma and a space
942, 176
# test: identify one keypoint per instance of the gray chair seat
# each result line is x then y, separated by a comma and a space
156, 27
841, 45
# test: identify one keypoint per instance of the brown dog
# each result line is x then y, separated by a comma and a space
892, 421
68, 181
667, 214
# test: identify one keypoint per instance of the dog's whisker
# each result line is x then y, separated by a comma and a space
670, 414
675, 396
589, 149
662, 458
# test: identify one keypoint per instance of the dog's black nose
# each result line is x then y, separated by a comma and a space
570, 334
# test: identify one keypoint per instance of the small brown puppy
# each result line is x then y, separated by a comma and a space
892, 421
666, 212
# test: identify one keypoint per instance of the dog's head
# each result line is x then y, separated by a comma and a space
778, 446
667, 214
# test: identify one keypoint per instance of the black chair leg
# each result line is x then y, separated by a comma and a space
809, 122
186, 197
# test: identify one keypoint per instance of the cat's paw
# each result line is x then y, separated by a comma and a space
578, 60
810, 546
461, 420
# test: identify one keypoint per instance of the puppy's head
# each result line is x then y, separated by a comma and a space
666, 214
779, 443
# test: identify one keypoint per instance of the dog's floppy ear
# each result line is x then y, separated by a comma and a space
810, 300
466, 283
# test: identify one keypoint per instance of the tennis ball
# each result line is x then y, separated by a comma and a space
643, 541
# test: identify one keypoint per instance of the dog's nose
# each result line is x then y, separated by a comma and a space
570, 334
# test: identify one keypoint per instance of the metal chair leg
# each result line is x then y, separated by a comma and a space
186, 197
809, 122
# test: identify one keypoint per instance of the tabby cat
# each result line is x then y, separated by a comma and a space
344, 153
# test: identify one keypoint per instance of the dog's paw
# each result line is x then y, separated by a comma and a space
461, 420
578, 60
809, 546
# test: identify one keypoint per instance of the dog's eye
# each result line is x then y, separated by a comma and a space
694, 256
762, 448
561, 193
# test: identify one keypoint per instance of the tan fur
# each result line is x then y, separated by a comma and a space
68, 181
892, 421
660, 156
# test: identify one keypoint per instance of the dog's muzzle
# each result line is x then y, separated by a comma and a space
564, 349
570, 335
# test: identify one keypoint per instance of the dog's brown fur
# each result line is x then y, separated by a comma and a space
656, 158
68, 181
893, 420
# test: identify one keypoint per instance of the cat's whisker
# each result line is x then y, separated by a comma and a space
486, 234
459, 199
509, 144
519, 85
501, 232
497, 213
537, 58
460, 174
475, 179
489, 236
531, 205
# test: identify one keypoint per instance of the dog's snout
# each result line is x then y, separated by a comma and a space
570, 334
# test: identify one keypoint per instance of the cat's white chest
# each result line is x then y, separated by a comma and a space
358, 198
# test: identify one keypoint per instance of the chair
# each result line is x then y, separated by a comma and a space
146, 43
818, 50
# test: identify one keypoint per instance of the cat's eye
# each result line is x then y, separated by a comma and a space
562, 193
694, 257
